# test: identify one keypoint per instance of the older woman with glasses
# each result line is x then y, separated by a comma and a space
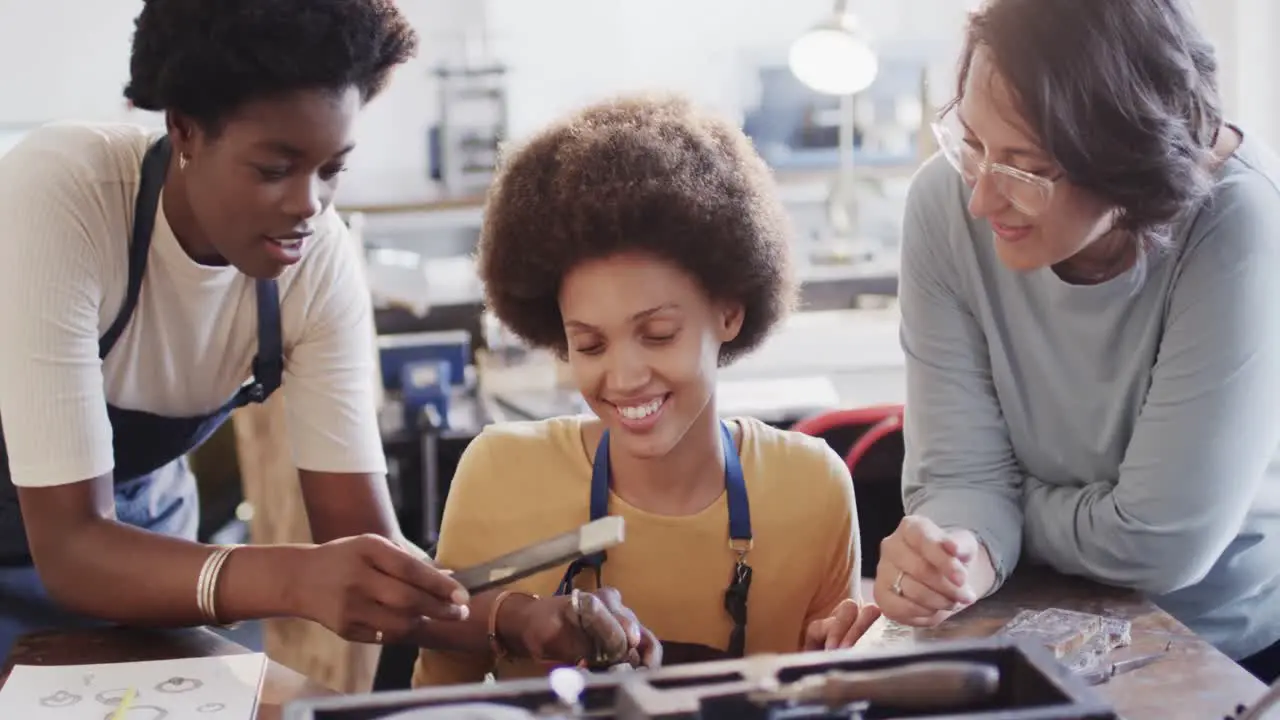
1091, 319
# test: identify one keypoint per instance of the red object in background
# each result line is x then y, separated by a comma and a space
880, 421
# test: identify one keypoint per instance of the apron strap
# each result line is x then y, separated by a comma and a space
155, 165
600, 481
740, 538
740, 541
268, 364
734, 483
735, 486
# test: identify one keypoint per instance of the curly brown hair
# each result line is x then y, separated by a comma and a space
645, 174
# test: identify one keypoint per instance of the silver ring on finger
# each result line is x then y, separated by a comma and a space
377, 637
896, 588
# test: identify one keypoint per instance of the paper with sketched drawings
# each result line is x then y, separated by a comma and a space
206, 688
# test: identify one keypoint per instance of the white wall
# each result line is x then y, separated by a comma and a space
1244, 32
69, 58
564, 52
64, 58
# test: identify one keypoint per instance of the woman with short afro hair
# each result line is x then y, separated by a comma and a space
643, 241
152, 282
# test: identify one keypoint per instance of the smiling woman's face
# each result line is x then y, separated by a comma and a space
993, 128
255, 189
644, 345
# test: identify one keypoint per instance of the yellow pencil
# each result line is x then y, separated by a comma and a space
125, 702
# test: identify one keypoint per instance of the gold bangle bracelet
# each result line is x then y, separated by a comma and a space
207, 585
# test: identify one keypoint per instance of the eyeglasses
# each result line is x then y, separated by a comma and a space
1029, 193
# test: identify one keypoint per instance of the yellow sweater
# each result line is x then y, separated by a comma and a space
518, 483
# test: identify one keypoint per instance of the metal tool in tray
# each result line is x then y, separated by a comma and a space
917, 687
962, 680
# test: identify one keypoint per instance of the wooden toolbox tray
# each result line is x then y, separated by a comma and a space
1032, 685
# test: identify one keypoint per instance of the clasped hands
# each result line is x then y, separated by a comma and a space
584, 628
926, 573
598, 629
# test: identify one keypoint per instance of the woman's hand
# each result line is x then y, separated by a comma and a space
844, 627
368, 589
592, 628
926, 574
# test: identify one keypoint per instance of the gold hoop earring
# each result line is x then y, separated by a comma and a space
182, 161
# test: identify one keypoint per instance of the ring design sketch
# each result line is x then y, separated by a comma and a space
60, 699
212, 707
113, 697
179, 685
897, 583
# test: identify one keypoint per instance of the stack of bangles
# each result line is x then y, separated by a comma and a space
207, 585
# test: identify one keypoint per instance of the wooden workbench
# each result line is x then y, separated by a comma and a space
280, 686
1194, 681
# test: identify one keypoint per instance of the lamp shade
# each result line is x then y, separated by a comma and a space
834, 58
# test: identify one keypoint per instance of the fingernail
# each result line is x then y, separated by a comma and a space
462, 611
957, 578
460, 597
967, 597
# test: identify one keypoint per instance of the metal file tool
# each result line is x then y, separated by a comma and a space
1120, 667
594, 537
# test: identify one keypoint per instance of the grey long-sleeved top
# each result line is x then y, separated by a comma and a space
1124, 432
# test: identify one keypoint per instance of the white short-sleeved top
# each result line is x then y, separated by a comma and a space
67, 195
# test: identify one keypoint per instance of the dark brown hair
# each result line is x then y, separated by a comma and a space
207, 59
651, 175
1122, 94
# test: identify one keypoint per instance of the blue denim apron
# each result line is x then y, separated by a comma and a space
739, 586
154, 489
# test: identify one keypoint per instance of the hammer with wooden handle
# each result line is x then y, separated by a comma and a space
924, 685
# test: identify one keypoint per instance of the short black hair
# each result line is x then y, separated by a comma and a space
646, 174
1123, 96
207, 58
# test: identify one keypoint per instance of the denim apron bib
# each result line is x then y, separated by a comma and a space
154, 489
735, 595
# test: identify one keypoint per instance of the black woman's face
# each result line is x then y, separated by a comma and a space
256, 187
